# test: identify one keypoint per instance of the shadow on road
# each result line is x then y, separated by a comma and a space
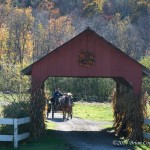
56, 119
95, 140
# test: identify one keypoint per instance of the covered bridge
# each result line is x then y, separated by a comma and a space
87, 55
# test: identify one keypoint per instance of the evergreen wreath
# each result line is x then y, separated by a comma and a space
86, 58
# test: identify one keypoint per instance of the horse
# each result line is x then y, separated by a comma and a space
66, 104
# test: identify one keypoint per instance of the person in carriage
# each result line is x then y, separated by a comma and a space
57, 94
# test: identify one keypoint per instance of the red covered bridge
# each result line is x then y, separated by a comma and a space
86, 55
72, 59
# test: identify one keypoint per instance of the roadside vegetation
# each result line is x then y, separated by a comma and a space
90, 111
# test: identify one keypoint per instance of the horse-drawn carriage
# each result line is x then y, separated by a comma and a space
63, 103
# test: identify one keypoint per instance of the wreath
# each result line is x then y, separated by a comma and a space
86, 58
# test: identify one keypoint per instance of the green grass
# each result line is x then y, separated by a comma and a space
142, 147
93, 111
50, 125
136, 145
148, 111
1, 112
49, 142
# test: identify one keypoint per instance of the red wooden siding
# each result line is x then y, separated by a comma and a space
109, 61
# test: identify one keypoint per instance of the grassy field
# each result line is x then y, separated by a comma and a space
93, 111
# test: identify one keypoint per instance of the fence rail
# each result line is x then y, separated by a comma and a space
146, 135
16, 137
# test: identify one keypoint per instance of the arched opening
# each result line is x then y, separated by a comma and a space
122, 98
88, 89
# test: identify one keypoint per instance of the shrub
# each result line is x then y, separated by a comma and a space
15, 110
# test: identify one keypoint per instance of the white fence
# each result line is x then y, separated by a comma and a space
146, 135
15, 137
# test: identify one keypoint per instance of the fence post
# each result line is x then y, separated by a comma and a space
15, 133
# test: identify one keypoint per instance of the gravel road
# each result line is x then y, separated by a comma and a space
85, 135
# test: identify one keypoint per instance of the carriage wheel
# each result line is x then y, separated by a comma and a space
71, 115
53, 111
47, 114
49, 110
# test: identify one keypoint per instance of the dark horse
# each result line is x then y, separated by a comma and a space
66, 104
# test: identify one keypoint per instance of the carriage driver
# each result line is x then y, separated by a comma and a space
57, 95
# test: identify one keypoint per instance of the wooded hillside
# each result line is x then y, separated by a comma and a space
30, 29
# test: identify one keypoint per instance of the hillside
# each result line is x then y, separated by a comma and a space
30, 29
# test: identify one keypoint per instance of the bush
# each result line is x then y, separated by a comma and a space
15, 110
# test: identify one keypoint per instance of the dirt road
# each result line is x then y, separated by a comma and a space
85, 135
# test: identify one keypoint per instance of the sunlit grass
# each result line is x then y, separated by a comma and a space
143, 147
148, 111
93, 111
1, 109
50, 125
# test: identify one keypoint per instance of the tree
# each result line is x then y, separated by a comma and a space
15, 43
93, 7
19, 24
61, 30
87, 89
146, 62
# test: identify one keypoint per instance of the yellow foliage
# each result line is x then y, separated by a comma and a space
3, 39
61, 25
100, 4
29, 45
3, 33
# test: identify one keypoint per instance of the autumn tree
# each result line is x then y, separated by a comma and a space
146, 81
93, 7
19, 24
61, 29
15, 46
